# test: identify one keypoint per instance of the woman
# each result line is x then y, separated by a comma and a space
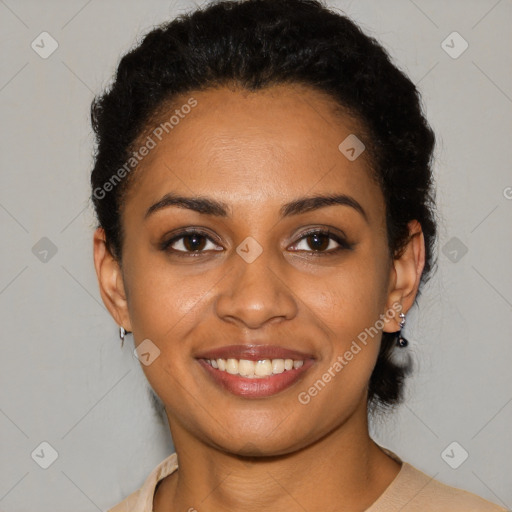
263, 187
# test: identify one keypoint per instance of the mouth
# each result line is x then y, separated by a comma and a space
255, 371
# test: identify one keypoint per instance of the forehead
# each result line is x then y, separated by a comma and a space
253, 148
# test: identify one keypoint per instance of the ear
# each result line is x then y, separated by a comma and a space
110, 280
405, 276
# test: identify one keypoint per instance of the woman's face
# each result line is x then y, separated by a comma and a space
254, 276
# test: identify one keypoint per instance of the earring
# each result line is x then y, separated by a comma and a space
400, 340
122, 334
398, 356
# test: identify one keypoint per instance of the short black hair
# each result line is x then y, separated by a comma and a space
256, 44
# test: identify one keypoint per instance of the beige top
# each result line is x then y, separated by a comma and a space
410, 491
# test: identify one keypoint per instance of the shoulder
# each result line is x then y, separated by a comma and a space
142, 499
419, 492
412, 490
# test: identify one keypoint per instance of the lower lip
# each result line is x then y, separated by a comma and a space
257, 387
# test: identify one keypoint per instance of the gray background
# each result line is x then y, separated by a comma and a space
64, 378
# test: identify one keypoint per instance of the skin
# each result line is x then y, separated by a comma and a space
256, 152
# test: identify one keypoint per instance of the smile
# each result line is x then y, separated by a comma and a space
255, 369
255, 379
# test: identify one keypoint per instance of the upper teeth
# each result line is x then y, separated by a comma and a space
254, 369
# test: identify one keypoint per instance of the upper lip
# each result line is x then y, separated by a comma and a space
253, 353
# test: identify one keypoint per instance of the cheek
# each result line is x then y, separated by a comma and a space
165, 302
351, 298
166, 307
349, 306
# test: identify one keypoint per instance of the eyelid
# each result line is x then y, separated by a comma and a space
182, 234
340, 239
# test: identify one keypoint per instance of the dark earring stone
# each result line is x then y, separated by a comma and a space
401, 341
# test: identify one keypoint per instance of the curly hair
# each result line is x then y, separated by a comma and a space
256, 44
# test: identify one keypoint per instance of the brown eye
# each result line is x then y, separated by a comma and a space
194, 242
188, 242
318, 241
322, 242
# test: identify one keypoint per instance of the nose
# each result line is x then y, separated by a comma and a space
255, 293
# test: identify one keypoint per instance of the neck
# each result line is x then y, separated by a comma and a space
344, 470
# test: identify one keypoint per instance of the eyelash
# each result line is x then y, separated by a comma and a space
343, 244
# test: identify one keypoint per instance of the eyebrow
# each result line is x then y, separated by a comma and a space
209, 206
